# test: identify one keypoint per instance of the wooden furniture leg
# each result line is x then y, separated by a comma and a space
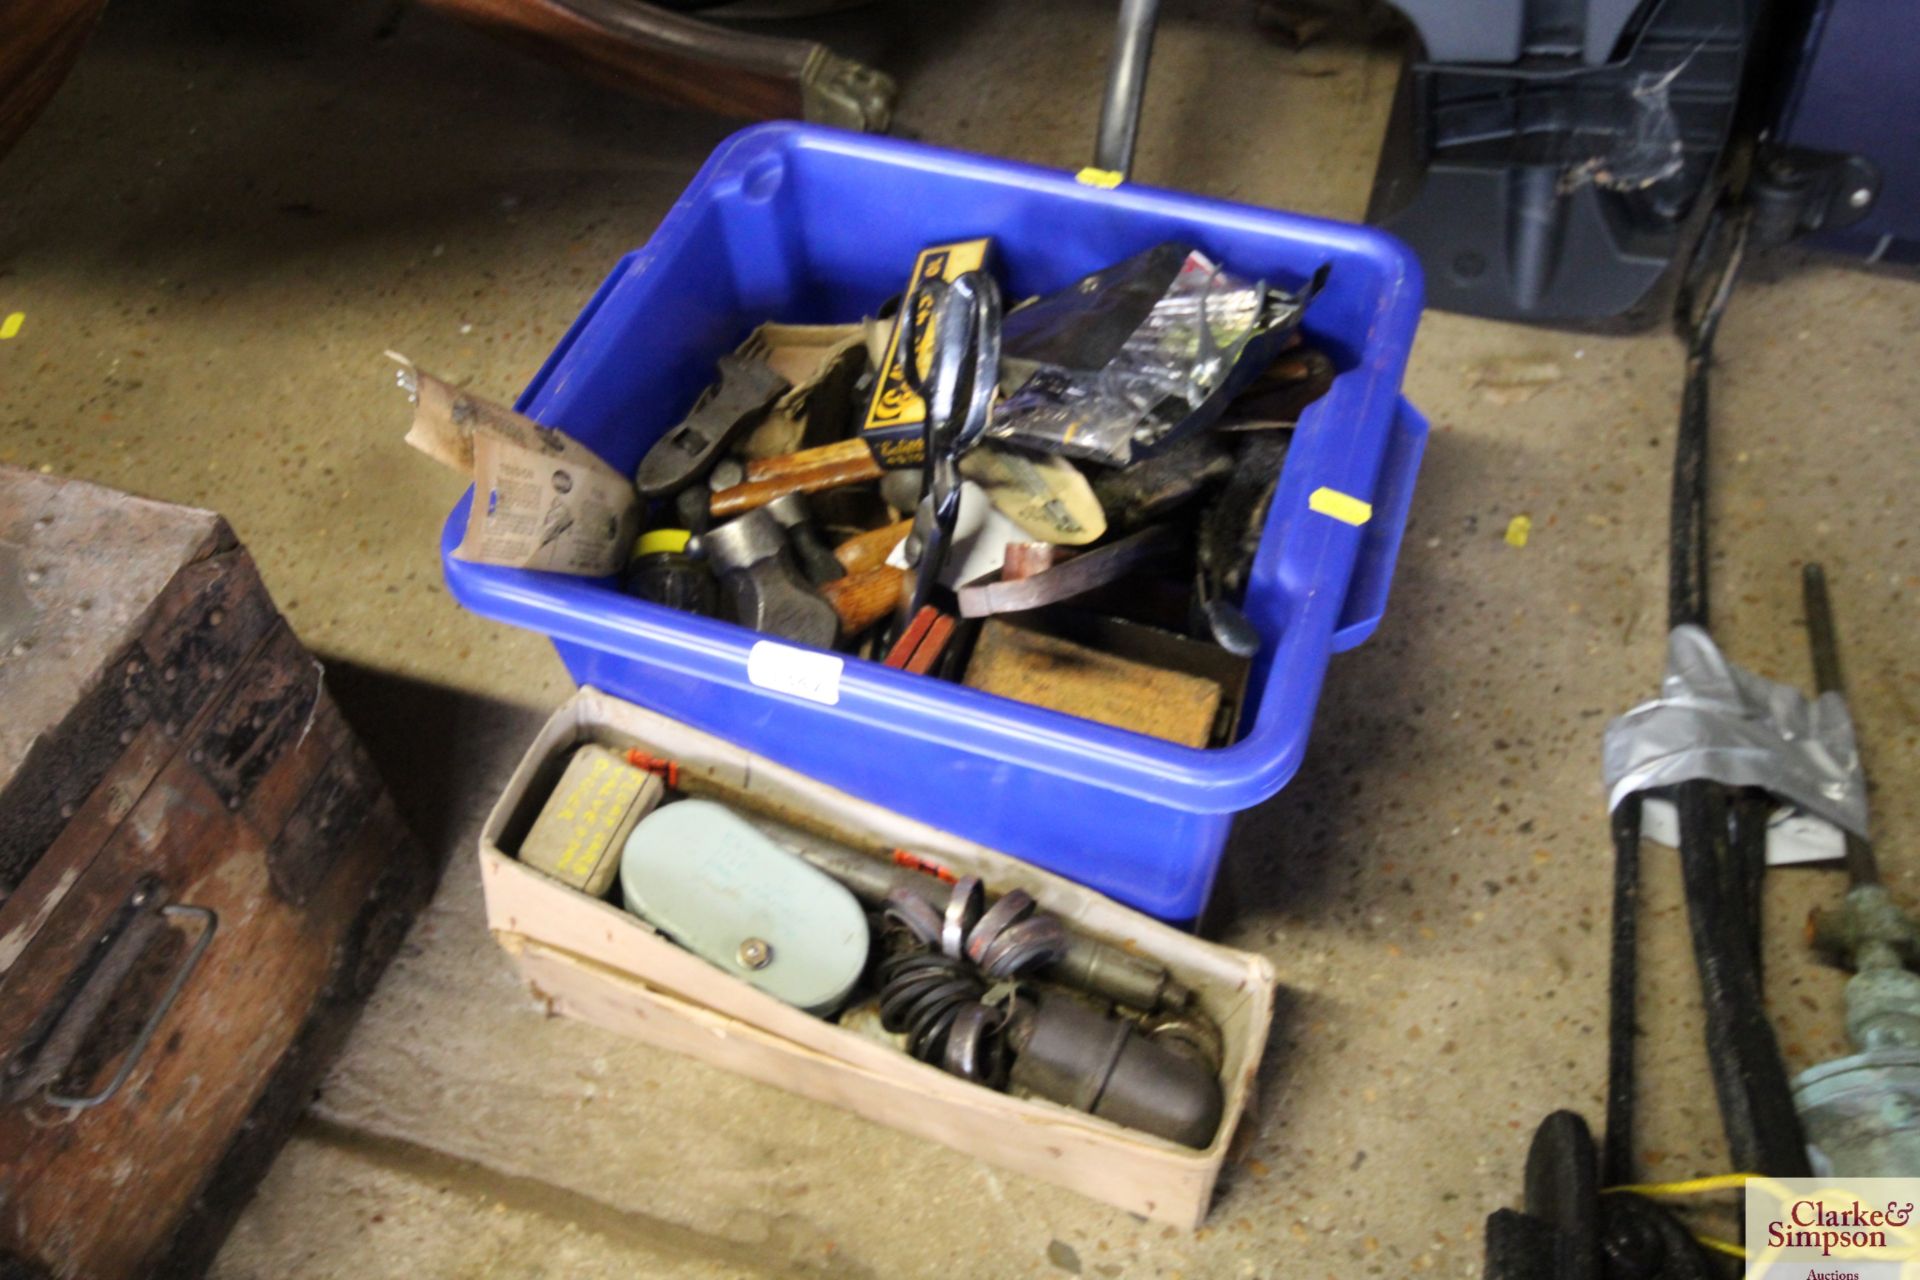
39, 40
639, 46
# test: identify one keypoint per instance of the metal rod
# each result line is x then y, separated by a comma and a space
1862, 867
209, 921
1617, 1166
1126, 86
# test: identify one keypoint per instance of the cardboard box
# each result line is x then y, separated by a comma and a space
590, 959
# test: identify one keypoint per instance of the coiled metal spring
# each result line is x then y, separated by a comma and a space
947, 980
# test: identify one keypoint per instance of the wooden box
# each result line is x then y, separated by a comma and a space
201, 878
590, 959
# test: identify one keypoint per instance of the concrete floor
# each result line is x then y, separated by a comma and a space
232, 209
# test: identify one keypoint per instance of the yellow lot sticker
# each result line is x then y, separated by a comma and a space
1343, 507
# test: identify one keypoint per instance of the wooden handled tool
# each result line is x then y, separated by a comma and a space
862, 599
825, 455
870, 550
808, 471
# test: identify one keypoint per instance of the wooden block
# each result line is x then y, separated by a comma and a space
173, 771
1046, 671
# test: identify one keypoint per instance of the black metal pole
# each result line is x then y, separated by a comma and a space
1862, 866
1126, 86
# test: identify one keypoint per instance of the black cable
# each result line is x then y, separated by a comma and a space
1699, 318
1617, 1167
1749, 1076
1749, 811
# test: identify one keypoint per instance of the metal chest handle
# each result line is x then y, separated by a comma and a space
129, 1060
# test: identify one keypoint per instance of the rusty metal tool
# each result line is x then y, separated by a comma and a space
724, 412
763, 588
1075, 577
1859, 1110
796, 517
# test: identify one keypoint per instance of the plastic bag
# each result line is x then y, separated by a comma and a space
1135, 357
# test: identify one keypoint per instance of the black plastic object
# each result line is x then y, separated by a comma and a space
1568, 1230
1852, 91
1547, 158
1069, 1052
677, 580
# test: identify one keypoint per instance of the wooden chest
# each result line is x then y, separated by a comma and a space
201, 878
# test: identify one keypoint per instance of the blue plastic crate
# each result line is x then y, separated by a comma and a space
801, 224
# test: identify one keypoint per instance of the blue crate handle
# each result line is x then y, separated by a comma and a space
1380, 552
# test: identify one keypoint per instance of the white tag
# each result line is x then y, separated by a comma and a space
800, 672
1792, 836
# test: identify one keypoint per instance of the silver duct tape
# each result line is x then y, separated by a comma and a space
1718, 721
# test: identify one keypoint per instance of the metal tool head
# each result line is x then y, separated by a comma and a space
741, 397
745, 541
763, 586
790, 509
794, 514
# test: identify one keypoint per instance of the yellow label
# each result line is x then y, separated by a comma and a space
1105, 179
574, 833
1343, 507
895, 454
657, 540
894, 403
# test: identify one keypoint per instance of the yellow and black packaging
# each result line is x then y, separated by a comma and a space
895, 415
